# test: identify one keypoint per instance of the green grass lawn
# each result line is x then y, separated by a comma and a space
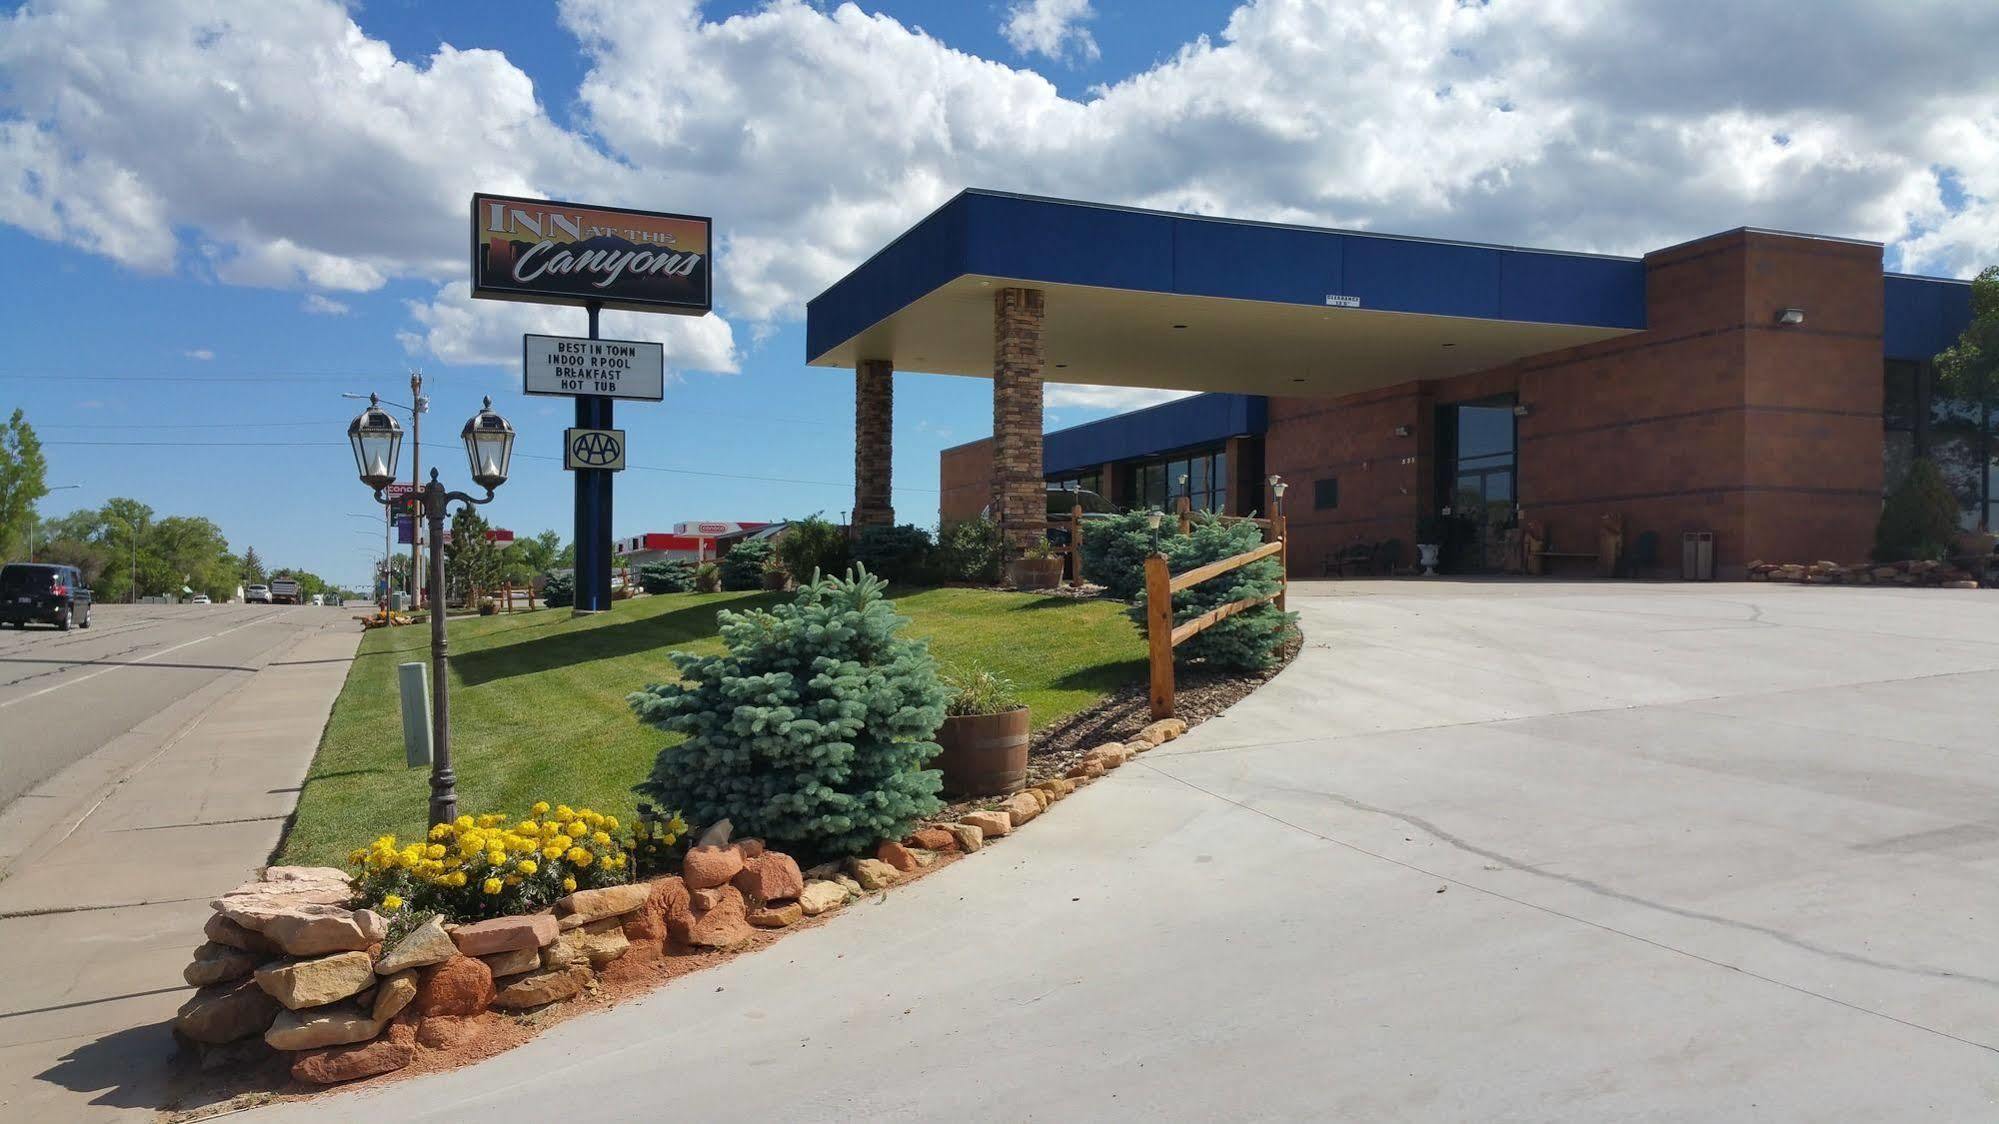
538, 699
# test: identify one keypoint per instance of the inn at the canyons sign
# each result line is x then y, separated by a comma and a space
567, 253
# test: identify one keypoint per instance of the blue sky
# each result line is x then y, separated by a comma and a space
216, 225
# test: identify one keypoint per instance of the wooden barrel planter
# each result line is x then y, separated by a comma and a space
983, 754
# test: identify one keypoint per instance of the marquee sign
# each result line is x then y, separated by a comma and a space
551, 252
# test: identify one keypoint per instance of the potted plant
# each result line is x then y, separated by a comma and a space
775, 577
982, 745
1039, 568
1429, 542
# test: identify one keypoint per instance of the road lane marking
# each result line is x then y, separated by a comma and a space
130, 663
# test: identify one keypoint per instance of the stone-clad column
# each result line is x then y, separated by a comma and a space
1019, 494
874, 442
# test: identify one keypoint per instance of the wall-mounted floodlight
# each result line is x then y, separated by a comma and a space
1790, 316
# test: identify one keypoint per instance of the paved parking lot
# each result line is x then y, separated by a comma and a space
1492, 851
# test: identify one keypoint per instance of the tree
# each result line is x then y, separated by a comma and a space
471, 561
1920, 518
811, 731
22, 481
252, 569
538, 552
1969, 369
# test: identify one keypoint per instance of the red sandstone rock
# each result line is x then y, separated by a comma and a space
933, 839
750, 848
705, 867
459, 986
335, 1064
770, 877
504, 934
723, 925
897, 856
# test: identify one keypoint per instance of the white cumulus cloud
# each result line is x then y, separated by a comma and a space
457, 329
320, 305
1051, 28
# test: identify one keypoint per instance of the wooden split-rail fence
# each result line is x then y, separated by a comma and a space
1162, 635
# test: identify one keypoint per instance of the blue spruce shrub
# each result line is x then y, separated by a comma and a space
1248, 641
1114, 551
670, 576
558, 590
811, 731
899, 555
743, 567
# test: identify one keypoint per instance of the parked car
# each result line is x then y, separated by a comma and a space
200, 599
254, 594
43, 593
319, 599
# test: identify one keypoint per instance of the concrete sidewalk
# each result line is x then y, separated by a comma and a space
120, 855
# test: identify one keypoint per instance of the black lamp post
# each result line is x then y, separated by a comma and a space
489, 448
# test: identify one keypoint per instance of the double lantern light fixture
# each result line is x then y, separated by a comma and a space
489, 451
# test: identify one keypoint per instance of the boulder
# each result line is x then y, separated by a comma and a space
514, 961
706, 867
218, 963
459, 986
1111, 754
539, 988
1042, 799
770, 877
1022, 806
968, 837
703, 900
1164, 730
599, 943
334, 1064
220, 930
423, 946
332, 875
922, 856
393, 994
821, 897
227, 1012
823, 871
503, 934
314, 983
585, 906
991, 824
442, 1032
1088, 768
716, 834
723, 924
777, 916
750, 848
873, 874
321, 1026
254, 903
314, 930
932, 838
668, 895
1056, 787
852, 887
895, 855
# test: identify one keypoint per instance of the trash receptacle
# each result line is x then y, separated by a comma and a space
399, 602
1697, 556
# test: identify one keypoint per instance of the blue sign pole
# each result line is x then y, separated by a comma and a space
593, 506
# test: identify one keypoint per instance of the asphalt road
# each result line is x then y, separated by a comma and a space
64, 695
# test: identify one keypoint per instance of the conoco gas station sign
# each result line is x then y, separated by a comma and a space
565, 253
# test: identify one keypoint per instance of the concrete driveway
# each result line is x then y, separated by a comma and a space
1494, 851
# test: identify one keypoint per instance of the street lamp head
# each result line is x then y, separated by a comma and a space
1277, 486
489, 444
378, 441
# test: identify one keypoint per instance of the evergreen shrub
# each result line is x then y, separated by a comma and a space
811, 731
899, 555
1114, 551
558, 590
968, 551
1247, 641
671, 576
743, 567
813, 545
1920, 518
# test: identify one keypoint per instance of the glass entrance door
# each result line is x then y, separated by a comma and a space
1477, 482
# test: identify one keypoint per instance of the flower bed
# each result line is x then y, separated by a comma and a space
349, 978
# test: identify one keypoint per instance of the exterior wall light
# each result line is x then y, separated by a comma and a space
1401, 431
1790, 316
1522, 410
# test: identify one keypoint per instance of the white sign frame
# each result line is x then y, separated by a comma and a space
576, 367
569, 439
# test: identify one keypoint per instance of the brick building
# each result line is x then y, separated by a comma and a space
1766, 387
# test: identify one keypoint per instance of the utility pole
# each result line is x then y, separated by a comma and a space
417, 405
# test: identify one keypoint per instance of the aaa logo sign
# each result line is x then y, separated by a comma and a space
594, 448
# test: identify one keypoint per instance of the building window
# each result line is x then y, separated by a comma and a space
1952, 426
1158, 483
1326, 493
1083, 482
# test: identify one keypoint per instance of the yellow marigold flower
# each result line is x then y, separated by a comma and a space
455, 878
601, 839
526, 866
540, 808
525, 827
551, 852
610, 823
463, 823
569, 884
490, 885
434, 851
355, 856
490, 819
560, 841
576, 830
391, 901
